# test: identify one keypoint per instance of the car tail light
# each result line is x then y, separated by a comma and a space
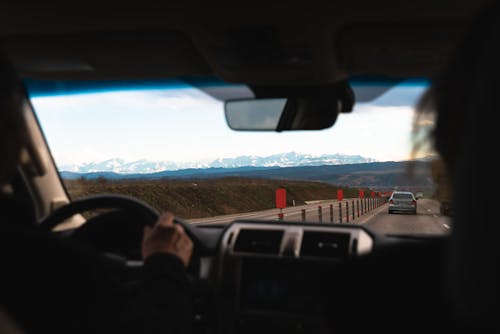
413, 202
391, 202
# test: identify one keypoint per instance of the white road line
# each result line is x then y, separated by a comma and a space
369, 215
446, 226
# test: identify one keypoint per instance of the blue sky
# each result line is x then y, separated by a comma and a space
185, 124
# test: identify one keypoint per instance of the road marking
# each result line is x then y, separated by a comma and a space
436, 216
428, 210
446, 226
369, 215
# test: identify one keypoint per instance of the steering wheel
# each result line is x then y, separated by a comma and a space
146, 214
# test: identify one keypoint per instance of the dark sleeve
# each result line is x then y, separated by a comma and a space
44, 276
162, 301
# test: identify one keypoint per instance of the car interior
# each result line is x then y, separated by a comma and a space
249, 275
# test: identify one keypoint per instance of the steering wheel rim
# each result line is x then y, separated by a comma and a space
104, 201
113, 201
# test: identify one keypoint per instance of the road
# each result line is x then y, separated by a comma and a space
426, 221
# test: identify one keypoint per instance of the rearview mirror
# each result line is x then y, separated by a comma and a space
282, 114
251, 114
290, 108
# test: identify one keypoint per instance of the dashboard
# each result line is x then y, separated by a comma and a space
269, 276
272, 277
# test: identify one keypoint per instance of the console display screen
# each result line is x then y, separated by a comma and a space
277, 285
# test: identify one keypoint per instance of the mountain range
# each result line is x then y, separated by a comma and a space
375, 175
289, 159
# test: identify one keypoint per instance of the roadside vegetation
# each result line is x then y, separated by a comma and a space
209, 197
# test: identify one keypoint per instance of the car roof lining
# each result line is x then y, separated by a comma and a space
255, 44
131, 54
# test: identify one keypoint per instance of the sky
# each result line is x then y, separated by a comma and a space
184, 124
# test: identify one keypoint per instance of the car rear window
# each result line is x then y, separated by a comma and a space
402, 196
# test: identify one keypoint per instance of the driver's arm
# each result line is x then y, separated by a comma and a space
165, 237
56, 285
164, 299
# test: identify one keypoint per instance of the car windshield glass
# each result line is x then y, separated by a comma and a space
167, 142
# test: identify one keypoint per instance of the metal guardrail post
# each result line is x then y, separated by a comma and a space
347, 212
331, 213
357, 206
340, 212
353, 212
303, 214
320, 213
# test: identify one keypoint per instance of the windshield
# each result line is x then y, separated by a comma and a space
167, 143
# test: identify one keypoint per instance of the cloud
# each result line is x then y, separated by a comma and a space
365, 109
386, 96
185, 124
168, 100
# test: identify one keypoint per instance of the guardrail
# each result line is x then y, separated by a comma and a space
348, 210
331, 212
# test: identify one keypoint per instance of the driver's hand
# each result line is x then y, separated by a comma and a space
167, 237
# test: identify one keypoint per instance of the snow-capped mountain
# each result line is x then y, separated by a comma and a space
289, 159
121, 166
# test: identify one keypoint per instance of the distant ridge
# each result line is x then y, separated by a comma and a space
389, 174
290, 159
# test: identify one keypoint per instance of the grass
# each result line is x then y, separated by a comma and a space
209, 197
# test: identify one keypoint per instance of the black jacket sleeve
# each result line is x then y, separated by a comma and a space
162, 300
54, 285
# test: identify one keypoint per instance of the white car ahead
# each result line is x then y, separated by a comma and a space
402, 201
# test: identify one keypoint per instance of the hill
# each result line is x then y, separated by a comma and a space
208, 197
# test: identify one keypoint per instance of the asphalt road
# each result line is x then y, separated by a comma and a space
426, 221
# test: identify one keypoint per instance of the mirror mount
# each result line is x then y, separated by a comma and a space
340, 91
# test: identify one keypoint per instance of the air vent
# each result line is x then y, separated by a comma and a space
321, 244
258, 241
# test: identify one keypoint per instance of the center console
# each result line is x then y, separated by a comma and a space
272, 277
